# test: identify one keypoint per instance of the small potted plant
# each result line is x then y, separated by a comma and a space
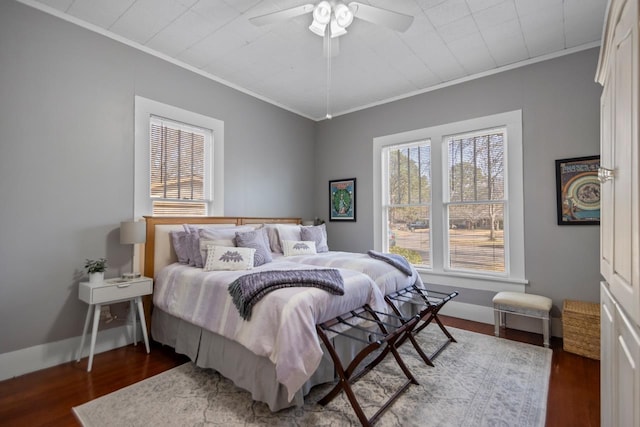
96, 269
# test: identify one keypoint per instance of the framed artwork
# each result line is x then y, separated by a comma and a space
578, 191
342, 200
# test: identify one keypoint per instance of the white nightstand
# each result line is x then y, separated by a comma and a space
108, 292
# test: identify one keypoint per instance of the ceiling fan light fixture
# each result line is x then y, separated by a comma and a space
336, 29
343, 15
322, 13
318, 28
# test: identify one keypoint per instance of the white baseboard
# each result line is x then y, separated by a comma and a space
38, 357
483, 314
462, 310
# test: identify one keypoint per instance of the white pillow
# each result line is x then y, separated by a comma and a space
206, 242
229, 258
287, 232
221, 236
298, 247
291, 231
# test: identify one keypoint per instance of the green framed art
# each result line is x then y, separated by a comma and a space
342, 200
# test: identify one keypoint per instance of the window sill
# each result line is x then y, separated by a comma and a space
471, 281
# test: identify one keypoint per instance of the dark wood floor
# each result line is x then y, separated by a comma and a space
47, 396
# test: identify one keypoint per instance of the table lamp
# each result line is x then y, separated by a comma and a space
132, 233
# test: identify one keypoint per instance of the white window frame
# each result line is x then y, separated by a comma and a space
514, 277
145, 109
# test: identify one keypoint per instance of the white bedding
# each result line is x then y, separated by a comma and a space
282, 325
388, 278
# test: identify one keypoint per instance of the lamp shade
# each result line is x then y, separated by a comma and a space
132, 232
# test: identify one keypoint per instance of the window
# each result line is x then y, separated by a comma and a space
179, 167
409, 199
179, 174
449, 198
475, 201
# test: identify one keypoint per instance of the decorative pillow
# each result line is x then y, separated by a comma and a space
287, 232
317, 233
229, 258
298, 247
255, 239
216, 235
272, 237
191, 243
180, 242
205, 242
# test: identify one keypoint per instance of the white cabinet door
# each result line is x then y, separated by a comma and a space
607, 349
606, 195
627, 365
619, 365
620, 218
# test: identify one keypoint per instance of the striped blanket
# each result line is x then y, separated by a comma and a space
247, 290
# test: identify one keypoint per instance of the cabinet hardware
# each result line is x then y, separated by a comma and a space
605, 174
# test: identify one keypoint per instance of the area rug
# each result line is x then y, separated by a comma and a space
479, 381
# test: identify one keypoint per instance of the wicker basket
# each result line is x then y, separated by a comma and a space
581, 328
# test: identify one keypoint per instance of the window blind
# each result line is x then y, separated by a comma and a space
178, 181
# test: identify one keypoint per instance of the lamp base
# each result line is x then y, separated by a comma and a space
130, 275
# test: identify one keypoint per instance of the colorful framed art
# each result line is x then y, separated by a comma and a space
342, 200
578, 191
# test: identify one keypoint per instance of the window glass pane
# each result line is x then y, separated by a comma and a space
476, 167
177, 168
409, 233
410, 174
177, 162
476, 237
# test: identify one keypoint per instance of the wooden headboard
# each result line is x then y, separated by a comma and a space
158, 251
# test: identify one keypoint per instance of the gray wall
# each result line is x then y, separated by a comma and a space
560, 106
66, 161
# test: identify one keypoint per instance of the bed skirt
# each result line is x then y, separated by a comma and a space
256, 374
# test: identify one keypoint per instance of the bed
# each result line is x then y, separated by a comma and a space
214, 336
276, 355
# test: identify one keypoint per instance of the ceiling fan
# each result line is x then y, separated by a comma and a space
330, 21
331, 18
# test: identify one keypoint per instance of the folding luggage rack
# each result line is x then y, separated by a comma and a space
386, 336
430, 303
389, 335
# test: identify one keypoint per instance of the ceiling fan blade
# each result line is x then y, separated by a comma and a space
376, 15
281, 15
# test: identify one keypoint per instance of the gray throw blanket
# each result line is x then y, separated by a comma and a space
398, 261
247, 290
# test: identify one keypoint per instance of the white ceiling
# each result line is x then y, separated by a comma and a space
449, 41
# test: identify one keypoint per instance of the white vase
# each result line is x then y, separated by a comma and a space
97, 277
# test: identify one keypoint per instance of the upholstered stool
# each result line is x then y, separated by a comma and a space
523, 305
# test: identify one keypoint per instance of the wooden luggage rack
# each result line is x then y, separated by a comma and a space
430, 304
387, 334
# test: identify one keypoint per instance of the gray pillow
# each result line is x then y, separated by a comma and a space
192, 241
181, 243
316, 233
255, 239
